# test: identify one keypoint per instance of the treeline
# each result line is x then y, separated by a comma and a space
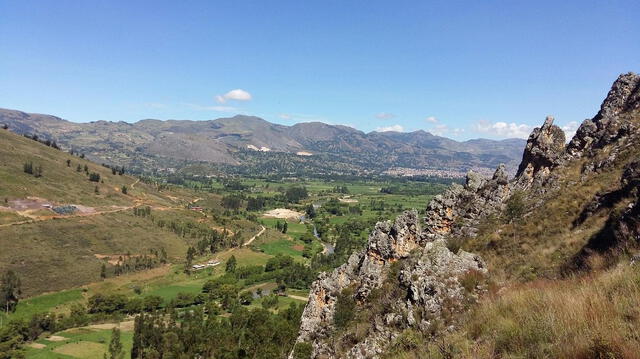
208, 238
282, 269
46, 142
29, 168
348, 237
137, 263
255, 333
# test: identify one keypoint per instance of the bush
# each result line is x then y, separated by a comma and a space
302, 350
345, 309
94, 177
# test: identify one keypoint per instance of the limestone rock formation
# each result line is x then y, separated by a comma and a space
433, 275
543, 152
607, 126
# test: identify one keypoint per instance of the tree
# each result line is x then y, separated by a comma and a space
79, 168
96, 190
5, 127
285, 226
68, 163
103, 271
124, 189
231, 265
345, 308
515, 207
136, 347
191, 253
28, 167
115, 345
231, 201
10, 291
296, 193
37, 171
311, 211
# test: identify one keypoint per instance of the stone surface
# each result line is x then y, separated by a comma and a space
545, 148
607, 126
432, 276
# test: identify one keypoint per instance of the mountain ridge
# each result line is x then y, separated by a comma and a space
148, 144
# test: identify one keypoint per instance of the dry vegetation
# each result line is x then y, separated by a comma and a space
589, 317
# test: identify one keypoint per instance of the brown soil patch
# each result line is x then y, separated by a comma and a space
124, 326
114, 259
28, 203
283, 213
298, 247
348, 200
37, 345
55, 338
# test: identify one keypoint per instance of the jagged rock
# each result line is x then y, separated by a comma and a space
474, 181
500, 176
431, 274
387, 243
434, 279
629, 186
607, 126
543, 152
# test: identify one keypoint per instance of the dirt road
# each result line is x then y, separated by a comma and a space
256, 236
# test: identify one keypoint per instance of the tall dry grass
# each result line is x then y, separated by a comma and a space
591, 317
595, 317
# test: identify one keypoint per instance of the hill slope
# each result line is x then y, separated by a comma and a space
58, 229
570, 209
240, 141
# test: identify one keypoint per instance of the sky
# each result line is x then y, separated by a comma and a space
461, 69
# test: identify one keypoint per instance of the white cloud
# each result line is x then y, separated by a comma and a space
503, 129
457, 132
385, 116
570, 129
394, 128
302, 117
431, 119
439, 130
237, 94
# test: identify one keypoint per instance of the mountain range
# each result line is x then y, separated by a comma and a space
247, 144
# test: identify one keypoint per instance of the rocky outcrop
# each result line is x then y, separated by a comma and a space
431, 281
543, 152
435, 277
387, 243
622, 230
608, 126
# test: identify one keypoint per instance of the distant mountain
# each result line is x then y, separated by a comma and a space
247, 144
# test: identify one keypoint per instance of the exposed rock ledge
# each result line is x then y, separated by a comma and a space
434, 272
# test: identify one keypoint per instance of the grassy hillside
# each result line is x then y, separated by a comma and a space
52, 251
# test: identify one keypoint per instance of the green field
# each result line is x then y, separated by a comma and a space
62, 257
83, 343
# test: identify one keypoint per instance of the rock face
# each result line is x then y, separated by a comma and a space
431, 281
607, 126
543, 152
434, 275
621, 231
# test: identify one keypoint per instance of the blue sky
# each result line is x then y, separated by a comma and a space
463, 69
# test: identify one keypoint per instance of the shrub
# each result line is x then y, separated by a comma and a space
345, 309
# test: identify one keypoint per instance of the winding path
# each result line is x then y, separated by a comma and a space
256, 236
